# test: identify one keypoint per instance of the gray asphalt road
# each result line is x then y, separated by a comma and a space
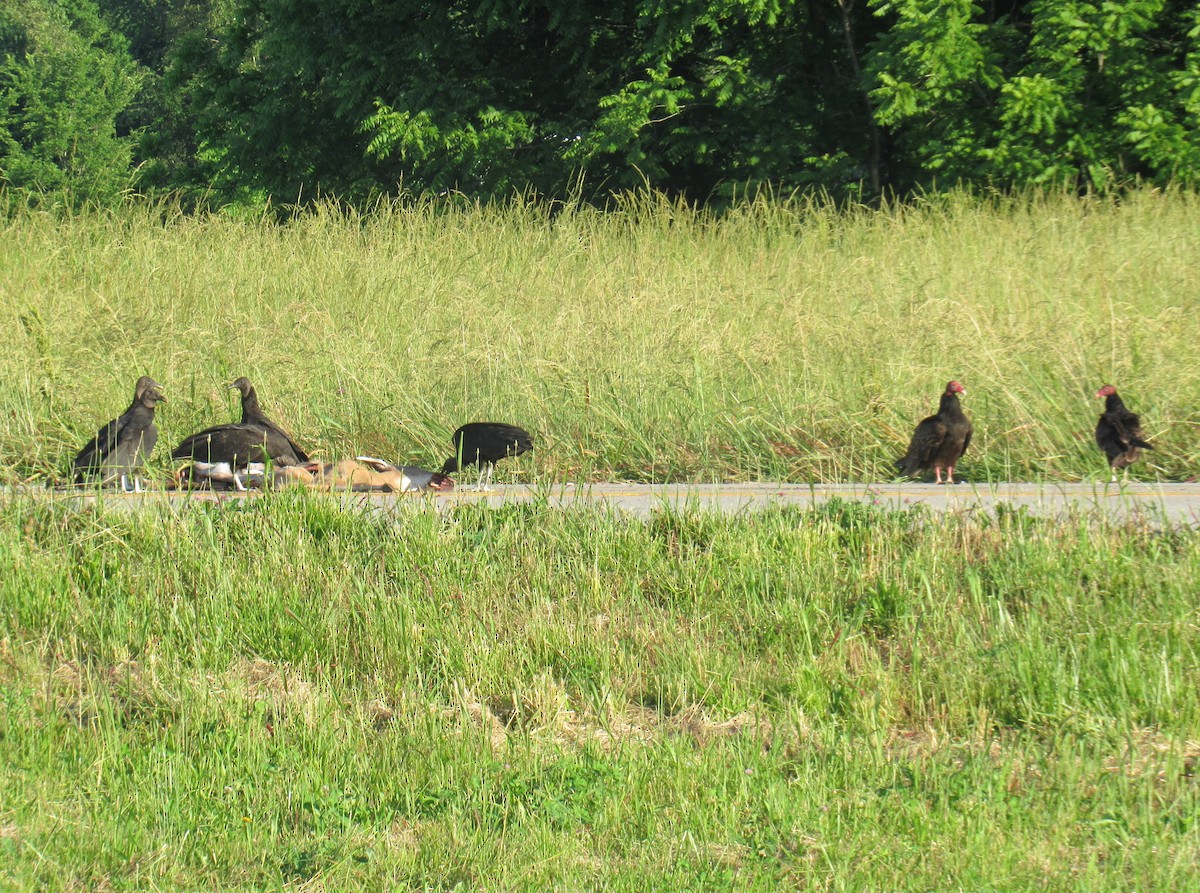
1178, 503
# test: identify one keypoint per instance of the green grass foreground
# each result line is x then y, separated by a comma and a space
783, 340
291, 693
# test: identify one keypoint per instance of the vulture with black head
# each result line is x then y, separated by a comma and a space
255, 439
252, 414
939, 440
483, 444
122, 446
1119, 432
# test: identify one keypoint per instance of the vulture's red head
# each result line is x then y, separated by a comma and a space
1106, 391
955, 388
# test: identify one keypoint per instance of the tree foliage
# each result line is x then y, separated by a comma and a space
491, 97
161, 35
295, 99
1067, 91
64, 80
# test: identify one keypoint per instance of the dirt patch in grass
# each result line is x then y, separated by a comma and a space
285, 692
551, 717
1148, 752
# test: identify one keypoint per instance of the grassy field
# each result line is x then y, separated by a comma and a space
292, 694
782, 341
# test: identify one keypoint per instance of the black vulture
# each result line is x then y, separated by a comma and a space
1119, 432
123, 445
252, 414
483, 444
254, 439
940, 440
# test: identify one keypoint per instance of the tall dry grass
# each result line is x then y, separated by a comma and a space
783, 340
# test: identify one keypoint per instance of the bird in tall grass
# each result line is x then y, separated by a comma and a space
122, 446
252, 414
1119, 432
255, 439
939, 440
483, 444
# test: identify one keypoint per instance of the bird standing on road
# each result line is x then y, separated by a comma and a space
1119, 432
939, 440
122, 446
483, 444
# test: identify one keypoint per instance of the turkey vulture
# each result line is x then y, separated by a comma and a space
255, 439
483, 444
939, 440
1119, 433
122, 446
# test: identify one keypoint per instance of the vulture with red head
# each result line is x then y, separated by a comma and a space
939, 440
1119, 432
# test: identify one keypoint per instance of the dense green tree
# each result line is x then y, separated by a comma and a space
65, 78
717, 96
161, 33
489, 97
297, 99
1066, 91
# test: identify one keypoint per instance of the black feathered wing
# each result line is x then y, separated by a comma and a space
1129, 428
1109, 439
279, 438
1118, 432
92, 456
926, 441
118, 448
238, 444
485, 443
134, 445
281, 441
